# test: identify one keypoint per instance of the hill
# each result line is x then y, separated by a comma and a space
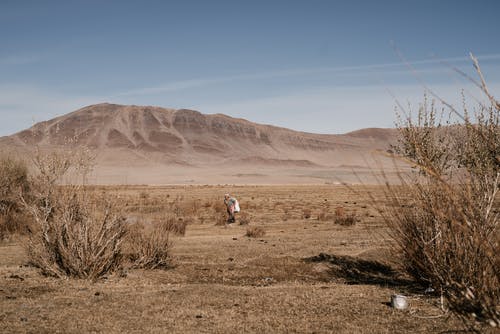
144, 144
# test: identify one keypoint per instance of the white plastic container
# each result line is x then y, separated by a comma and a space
399, 302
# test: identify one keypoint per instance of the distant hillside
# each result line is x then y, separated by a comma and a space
137, 136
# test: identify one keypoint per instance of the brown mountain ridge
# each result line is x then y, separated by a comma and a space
158, 141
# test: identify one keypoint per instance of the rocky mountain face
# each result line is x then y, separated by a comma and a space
128, 137
190, 137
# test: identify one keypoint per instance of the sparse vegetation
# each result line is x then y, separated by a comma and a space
73, 234
243, 219
150, 248
215, 263
343, 218
77, 238
150, 244
347, 220
255, 232
13, 180
445, 219
220, 218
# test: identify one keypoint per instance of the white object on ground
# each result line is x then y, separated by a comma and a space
399, 302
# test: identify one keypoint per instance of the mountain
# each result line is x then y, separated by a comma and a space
144, 144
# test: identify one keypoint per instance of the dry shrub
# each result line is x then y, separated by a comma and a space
182, 207
343, 218
306, 213
220, 219
76, 237
174, 224
150, 248
324, 214
194, 207
74, 234
339, 211
444, 219
219, 214
219, 206
13, 181
244, 219
255, 232
151, 244
348, 220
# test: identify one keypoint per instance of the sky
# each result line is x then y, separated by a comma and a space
315, 66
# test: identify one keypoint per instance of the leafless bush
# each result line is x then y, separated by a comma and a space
74, 234
151, 244
444, 219
150, 249
347, 220
255, 232
13, 179
183, 207
306, 213
343, 218
174, 224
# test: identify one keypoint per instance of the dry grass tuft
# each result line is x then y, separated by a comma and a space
150, 248
174, 224
244, 219
150, 244
255, 232
219, 206
220, 219
13, 179
343, 218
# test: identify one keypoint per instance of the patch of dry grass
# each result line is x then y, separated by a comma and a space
243, 218
255, 232
13, 179
343, 218
223, 282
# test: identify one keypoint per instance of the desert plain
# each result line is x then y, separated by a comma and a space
309, 272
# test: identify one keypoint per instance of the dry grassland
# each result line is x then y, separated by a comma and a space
307, 274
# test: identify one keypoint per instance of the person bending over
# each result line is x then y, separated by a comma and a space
232, 207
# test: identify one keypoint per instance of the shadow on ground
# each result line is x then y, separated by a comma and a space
353, 270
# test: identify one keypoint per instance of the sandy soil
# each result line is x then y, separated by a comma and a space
306, 275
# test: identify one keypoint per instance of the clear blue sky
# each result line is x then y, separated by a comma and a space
318, 66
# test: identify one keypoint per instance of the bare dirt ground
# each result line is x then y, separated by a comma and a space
306, 275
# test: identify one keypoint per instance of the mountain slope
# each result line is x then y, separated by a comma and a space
136, 136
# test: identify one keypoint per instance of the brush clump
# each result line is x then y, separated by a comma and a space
445, 217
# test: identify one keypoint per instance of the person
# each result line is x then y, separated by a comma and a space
232, 207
